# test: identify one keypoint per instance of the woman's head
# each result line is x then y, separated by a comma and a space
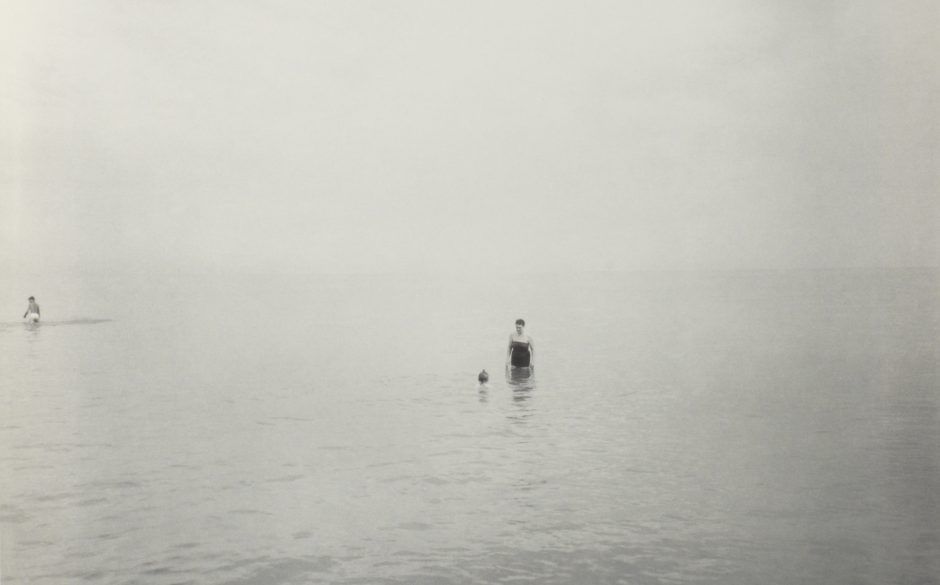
520, 324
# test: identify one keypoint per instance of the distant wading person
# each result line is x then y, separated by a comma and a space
32, 311
520, 351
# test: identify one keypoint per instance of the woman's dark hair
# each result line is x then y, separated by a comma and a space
520, 322
31, 299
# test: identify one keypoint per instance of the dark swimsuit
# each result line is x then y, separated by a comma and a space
520, 354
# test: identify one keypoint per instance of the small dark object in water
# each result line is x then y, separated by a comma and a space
483, 377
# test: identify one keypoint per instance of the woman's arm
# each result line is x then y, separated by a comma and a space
509, 352
531, 353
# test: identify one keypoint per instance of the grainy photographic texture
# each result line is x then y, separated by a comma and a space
275, 243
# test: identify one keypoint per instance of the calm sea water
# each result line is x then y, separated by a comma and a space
734, 428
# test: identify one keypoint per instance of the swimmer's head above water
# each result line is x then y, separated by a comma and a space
483, 377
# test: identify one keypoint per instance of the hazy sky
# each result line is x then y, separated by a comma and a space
440, 135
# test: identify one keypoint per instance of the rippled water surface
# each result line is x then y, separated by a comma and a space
760, 427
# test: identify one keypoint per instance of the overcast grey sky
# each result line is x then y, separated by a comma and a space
441, 135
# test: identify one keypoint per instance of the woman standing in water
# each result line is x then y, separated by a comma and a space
520, 351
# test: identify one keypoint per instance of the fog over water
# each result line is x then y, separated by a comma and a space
387, 136
755, 427
274, 243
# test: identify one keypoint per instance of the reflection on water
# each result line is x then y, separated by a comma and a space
522, 382
33, 345
519, 376
35, 325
